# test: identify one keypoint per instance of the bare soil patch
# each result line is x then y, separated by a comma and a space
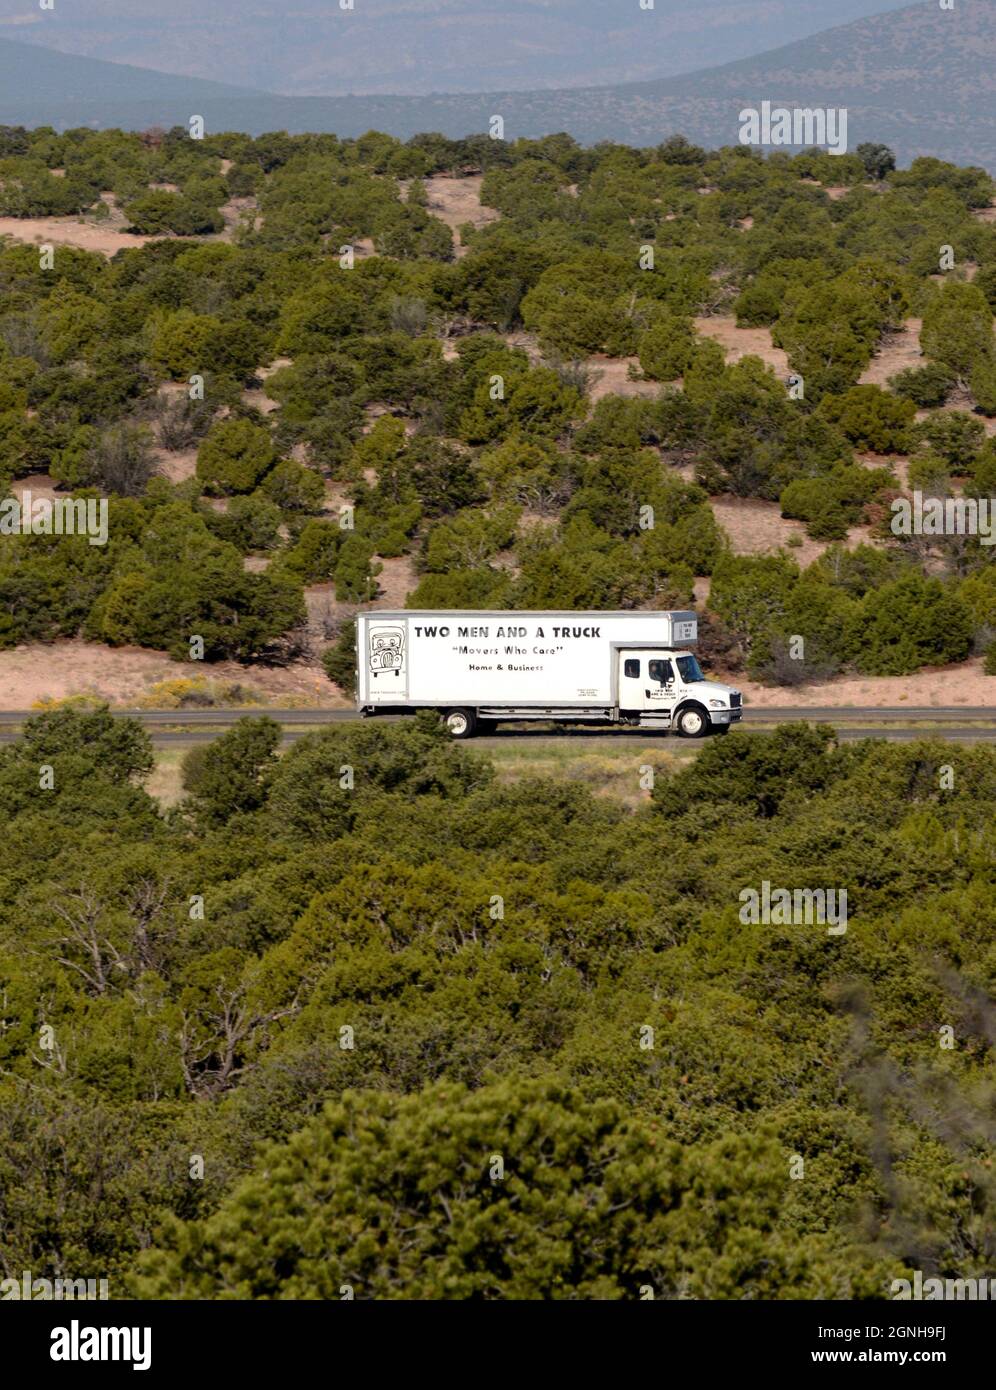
758, 528
527, 342
38, 484
611, 378
896, 352
743, 342
257, 399
120, 675
176, 467
895, 463
99, 237
963, 684
456, 201
396, 580
236, 212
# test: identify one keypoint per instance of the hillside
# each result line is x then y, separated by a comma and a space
35, 80
378, 1016
315, 48
920, 79
365, 388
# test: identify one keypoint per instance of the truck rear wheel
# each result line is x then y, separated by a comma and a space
460, 722
693, 722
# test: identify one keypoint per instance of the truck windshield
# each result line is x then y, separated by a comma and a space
689, 669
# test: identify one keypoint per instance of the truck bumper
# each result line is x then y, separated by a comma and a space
726, 716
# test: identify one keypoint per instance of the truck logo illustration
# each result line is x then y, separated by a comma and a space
387, 650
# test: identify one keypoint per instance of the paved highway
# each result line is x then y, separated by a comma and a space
822, 714
961, 723
162, 738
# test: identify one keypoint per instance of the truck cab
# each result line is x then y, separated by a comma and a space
661, 687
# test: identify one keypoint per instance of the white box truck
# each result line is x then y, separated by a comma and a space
577, 668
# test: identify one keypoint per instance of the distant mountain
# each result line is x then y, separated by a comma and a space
921, 79
41, 87
315, 48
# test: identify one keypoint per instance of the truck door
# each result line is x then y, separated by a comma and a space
647, 682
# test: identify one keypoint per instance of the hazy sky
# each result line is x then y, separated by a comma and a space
315, 47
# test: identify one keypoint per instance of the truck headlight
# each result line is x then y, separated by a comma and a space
717, 704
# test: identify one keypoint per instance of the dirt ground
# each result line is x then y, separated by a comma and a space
898, 464
235, 213
456, 201
38, 484
896, 352
176, 466
528, 343
758, 528
611, 378
609, 375
258, 400
743, 342
964, 684
395, 581
103, 238
107, 238
120, 675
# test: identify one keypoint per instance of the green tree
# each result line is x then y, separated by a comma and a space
871, 418
522, 1189
231, 774
235, 456
339, 660
957, 328
879, 160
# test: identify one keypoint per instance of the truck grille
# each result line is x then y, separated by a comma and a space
734, 699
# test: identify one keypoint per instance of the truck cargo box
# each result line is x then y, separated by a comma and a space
508, 659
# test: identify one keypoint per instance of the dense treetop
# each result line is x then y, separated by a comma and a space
274, 1041
490, 466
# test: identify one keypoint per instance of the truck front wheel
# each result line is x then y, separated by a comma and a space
692, 722
460, 722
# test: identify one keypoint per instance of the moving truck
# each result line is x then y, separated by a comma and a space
577, 668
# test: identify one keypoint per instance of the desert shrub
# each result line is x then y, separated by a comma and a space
958, 328
294, 488
235, 456
339, 660
121, 461
927, 387
872, 419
